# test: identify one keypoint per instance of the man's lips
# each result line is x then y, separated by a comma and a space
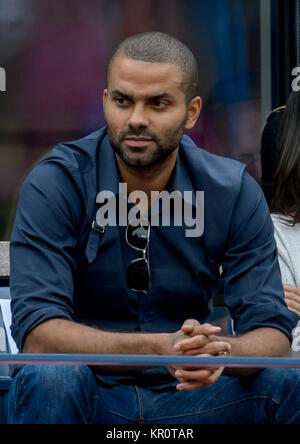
137, 141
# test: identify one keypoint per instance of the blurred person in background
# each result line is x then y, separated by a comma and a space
231, 120
268, 152
285, 204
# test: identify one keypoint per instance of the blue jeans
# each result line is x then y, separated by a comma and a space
71, 394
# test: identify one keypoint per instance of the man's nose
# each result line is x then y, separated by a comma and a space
138, 117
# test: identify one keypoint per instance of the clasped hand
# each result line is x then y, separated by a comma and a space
292, 298
194, 339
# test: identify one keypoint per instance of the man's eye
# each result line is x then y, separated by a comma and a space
121, 101
159, 104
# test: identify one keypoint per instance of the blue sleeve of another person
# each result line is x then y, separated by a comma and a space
252, 281
42, 249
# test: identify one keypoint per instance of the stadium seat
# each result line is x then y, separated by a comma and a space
5, 380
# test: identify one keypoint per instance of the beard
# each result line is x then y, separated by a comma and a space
147, 157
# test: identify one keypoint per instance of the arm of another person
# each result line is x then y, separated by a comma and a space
291, 292
292, 298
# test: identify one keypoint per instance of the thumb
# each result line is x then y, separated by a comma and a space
189, 325
193, 327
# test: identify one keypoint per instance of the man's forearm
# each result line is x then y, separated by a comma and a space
263, 342
63, 336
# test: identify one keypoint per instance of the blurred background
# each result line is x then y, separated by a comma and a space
54, 54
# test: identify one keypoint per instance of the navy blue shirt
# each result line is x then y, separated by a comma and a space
62, 268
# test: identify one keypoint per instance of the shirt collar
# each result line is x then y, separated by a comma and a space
180, 181
109, 175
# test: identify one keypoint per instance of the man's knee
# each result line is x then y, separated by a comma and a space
54, 379
51, 394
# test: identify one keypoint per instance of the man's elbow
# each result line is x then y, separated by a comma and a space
37, 339
31, 344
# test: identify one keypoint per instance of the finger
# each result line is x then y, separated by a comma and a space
213, 348
217, 348
294, 310
290, 289
292, 297
196, 384
212, 368
195, 342
193, 375
199, 375
194, 328
189, 325
293, 305
189, 386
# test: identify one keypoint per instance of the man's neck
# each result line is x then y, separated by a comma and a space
147, 179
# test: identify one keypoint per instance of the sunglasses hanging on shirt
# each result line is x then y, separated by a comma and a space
138, 271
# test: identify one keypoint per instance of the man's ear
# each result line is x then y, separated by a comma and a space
193, 112
105, 94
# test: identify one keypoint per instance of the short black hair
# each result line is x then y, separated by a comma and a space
158, 47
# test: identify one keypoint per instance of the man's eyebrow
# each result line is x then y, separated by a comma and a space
163, 95
116, 92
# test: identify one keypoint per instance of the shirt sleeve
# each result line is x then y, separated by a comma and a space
42, 249
253, 288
